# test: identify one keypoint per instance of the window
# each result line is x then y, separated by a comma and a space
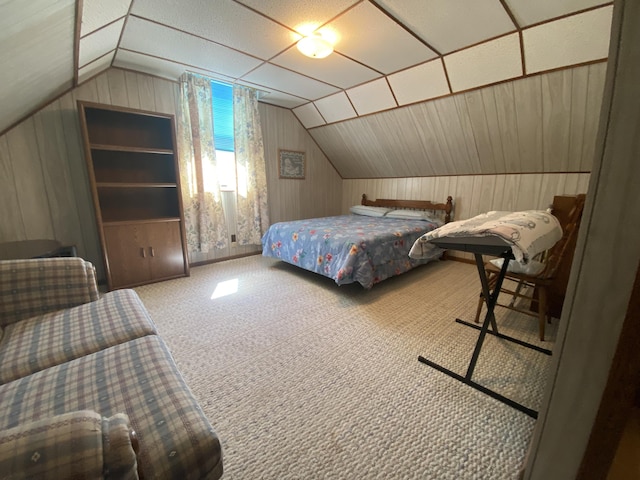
222, 100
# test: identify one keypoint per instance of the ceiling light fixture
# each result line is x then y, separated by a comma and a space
314, 46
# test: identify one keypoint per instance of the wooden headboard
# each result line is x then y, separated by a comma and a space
412, 204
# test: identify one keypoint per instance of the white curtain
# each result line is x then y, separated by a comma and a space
205, 222
251, 189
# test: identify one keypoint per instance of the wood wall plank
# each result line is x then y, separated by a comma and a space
12, 224
528, 103
445, 162
131, 86
102, 88
427, 148
146, 93
52, 152
508, 126
595, 88
467, 128
87, 238
165, 98
117, 87
493, 128
454, 135
480, 126
556, 113
29, 181
579, 91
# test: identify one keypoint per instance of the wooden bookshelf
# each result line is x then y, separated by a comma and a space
133, 172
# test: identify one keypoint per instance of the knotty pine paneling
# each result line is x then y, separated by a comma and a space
543, 123
472, 194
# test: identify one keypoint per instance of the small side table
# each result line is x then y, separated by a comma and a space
42, 248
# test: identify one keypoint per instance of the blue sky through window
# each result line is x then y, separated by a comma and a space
222, 94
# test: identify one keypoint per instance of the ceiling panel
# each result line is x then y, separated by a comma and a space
372, 97
368, 35
97, 13
278, 98
286, 81
335, 69
148, 37
450, 25
420, 83
151, 65
335, 108
568, 41
303, 16
223, 21
99, 43
308, 115
159, 67
528, 12
490, 62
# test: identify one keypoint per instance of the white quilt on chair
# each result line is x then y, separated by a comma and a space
529, 232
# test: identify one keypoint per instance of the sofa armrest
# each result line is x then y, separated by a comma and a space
36, 286
79, 444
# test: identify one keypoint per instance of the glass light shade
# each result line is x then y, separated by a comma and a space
314, 46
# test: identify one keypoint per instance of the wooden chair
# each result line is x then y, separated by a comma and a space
535, 288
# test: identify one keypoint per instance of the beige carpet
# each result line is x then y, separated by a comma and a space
303, 379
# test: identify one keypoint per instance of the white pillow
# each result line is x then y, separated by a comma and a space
412, 215
369, 211
534, 267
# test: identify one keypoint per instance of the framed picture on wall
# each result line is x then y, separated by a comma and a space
291, 164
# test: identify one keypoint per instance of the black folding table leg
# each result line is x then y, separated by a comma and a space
491, 298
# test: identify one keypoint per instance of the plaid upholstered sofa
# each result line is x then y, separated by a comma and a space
87, 387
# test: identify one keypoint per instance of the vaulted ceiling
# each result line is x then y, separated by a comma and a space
388, 53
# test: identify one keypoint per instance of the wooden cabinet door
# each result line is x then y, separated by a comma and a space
127, 255
140, 253
165, 249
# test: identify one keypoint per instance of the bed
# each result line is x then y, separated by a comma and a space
367, 246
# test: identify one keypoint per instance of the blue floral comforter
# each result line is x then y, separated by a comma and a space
349, 248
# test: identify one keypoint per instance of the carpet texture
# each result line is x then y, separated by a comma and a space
303, 379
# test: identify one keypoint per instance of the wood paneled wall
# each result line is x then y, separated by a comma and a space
320, 193
543, 123
44, 188
472, 194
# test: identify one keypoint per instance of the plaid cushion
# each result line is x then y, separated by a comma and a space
119, 453
40, 342
140, 379
71, 445
36, 286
